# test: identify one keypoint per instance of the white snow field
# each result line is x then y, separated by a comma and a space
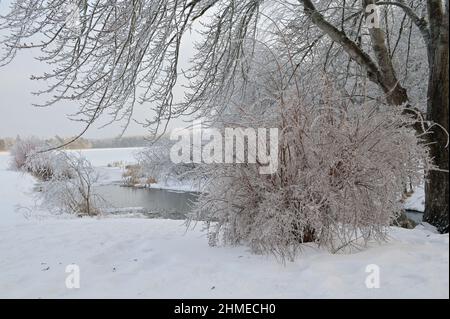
151, 258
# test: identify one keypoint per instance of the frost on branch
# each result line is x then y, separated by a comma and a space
339, 182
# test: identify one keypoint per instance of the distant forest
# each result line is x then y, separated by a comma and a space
83, 143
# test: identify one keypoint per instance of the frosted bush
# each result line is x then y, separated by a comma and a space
30, 155
71, 187
132, 175
155, 162
66, 179
340, 179
46, 165
21, 149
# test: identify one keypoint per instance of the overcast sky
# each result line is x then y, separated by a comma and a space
19, 116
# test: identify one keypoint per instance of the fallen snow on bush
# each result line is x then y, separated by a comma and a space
148, 258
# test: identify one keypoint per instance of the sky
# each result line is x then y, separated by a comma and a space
19, 117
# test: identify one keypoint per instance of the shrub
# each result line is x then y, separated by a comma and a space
21, 150
155, 162
151, 180
67, 179
71, 186
132, 175
339, 182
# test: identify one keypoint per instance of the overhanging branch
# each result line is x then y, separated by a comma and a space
421, 23
361, 57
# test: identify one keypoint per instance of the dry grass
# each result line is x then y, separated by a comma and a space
132, 175
151, 180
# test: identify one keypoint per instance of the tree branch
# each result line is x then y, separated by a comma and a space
361, 57
421, 23
395, 93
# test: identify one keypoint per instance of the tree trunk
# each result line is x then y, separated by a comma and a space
380, 72
383, 74
437, 186
395, 93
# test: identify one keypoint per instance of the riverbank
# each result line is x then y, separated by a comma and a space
156, 258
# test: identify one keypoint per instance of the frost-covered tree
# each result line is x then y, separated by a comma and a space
336, 20
111, 54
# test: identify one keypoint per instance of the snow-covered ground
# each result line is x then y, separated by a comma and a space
416, 201
149, 258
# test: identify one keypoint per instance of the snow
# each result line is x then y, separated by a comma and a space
416, 201
105, 156
110, 162
173, 184
154, 258
15, 190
